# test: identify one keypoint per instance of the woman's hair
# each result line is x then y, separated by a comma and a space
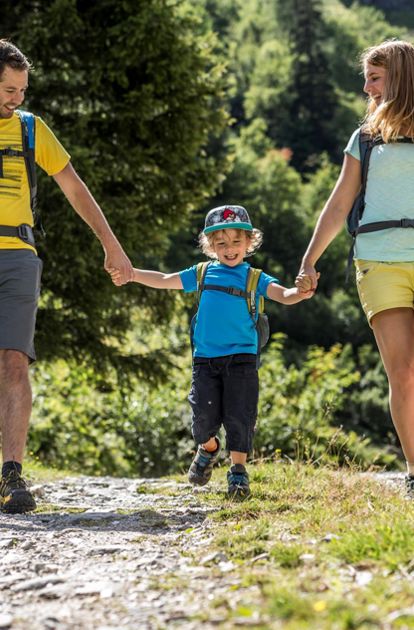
206, 241
395, 115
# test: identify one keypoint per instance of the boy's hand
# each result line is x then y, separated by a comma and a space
116, 276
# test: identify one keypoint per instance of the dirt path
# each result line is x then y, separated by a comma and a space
106, 554
103, 555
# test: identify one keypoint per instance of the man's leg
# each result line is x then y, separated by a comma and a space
15, 404
15, 409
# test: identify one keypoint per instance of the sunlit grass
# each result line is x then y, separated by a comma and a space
328, 549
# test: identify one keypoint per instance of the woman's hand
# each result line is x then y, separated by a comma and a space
307, 279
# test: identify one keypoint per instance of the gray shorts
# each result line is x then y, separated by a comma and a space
20, 273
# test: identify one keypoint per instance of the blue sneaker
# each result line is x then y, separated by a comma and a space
238, 480
202, 465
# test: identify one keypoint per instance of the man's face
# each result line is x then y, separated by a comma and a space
13, 85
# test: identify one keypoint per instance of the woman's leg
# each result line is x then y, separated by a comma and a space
394, 334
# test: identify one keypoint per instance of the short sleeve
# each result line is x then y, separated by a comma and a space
189, 279
264, 282
352, 148
50, 155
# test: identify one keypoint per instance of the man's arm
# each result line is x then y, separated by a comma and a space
79, 197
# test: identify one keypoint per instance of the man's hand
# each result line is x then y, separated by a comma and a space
118, 265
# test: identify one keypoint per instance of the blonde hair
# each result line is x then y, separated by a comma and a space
206, 241
395, 115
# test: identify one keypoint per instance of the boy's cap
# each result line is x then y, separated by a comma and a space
226, 217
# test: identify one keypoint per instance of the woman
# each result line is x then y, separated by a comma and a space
384, 259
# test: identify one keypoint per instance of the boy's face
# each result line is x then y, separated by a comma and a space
230, 246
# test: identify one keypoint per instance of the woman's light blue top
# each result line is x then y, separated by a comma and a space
389, 195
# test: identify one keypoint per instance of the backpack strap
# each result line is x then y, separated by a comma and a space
366, 144
251, 289
201, 274
28, 123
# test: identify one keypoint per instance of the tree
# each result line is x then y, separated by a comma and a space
133, 89
310, 99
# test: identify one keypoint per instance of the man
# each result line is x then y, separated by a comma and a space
20, 268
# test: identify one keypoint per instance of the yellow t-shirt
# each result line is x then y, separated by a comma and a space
14, 186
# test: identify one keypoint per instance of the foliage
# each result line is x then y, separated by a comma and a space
298, 406
90, 424
134, 90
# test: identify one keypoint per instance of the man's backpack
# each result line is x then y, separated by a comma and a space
366, 144
28, 126
254, 306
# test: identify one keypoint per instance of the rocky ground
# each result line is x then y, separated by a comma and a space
106, 553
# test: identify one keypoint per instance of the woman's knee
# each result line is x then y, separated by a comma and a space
401, 376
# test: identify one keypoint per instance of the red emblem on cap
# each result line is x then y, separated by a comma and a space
229, 214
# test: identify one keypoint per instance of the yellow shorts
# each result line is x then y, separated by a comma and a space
384, 285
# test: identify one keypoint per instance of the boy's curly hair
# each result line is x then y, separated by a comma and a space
206, 242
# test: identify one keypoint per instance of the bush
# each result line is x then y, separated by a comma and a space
143, 428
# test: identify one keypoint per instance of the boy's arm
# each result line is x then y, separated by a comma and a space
287, 296
157, 279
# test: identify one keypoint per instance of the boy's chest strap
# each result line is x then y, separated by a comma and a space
230, 290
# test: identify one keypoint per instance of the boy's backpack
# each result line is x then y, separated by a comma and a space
255, 308
366, 144
28, 127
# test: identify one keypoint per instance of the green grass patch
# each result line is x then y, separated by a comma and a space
327, 548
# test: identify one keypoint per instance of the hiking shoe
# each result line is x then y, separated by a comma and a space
15, 498
409, 486
202, 466
238, 480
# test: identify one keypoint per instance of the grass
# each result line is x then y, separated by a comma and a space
328, 549
38, 472
313, 548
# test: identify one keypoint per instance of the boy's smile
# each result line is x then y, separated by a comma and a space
230, 246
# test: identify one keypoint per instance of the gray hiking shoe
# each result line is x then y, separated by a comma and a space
238, 481
15, 497
409, 486
202, 465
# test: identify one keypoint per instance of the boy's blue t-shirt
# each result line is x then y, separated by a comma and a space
224, 325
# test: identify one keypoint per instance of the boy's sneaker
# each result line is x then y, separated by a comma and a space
15, 498
238, 480
409, 486
202, 466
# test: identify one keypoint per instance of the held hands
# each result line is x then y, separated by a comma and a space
307, 282
119, 267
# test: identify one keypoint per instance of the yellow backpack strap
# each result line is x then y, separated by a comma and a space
201, 272
251, 288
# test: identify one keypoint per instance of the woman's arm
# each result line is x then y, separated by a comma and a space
333, 216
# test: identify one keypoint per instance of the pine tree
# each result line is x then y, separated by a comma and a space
309, 105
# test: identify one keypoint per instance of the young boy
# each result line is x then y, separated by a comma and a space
225, 384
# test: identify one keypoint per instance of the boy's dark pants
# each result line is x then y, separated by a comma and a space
225, 391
